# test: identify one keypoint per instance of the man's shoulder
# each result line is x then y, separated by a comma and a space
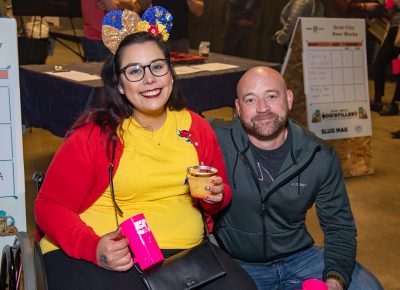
221, 126
309, 136
221, 123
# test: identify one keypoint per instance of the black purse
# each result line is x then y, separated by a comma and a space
204, 266
189, 269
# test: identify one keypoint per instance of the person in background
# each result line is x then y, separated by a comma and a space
93, 12
387, 52
126, 157
293, 10
350, 8
179, 39
277, 170
3, 10
240, 17
396, 134
357, 9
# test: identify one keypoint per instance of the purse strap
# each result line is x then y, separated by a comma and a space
117, 209
204, 218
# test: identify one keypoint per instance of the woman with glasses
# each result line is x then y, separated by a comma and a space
126, 157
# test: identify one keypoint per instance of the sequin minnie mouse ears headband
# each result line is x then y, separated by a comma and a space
118, 24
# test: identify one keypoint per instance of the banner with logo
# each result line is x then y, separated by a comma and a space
12, 185
335, 77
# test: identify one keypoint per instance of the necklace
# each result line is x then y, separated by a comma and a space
153, 135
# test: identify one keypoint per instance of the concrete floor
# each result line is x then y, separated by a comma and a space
375, 198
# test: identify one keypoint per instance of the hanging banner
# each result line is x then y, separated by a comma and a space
335, 77
12, 185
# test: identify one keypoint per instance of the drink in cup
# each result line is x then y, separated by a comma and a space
204, 48
199, 178
141, 241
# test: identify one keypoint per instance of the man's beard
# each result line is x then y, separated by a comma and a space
262, 130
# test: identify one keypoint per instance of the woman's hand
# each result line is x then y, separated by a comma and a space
113, 252
217, 190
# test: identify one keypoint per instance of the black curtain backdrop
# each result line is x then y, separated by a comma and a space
211, 25
62, 8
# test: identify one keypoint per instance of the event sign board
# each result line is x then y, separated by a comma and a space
12, 185
335, 77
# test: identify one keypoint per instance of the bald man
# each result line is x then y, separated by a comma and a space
278, 170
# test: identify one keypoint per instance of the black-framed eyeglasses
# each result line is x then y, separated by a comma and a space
135, 72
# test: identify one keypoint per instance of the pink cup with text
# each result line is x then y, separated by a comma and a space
396, 66
314, 284
141, 241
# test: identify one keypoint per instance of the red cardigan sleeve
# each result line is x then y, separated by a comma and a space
76, 177
205, 142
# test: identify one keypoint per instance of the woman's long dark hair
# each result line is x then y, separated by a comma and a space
114, 108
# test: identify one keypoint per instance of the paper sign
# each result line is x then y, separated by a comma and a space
335, 77
214, 66
74, 75
12, 182
181, 70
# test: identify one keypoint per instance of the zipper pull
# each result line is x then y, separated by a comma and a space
263, 209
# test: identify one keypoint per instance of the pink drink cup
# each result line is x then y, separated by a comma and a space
141, 241
396, 66
314, 284
389, 4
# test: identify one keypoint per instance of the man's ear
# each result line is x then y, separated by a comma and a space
289, 97
237, 105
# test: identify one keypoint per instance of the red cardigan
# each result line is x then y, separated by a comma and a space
78, 175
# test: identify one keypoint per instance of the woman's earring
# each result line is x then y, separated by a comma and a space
121, 90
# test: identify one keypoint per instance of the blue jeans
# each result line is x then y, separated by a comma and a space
95, 50
289, 273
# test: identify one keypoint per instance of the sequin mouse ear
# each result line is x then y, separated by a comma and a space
118, 24
157, 20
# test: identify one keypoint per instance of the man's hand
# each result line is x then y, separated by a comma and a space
113, 253
134, 5
196, 7
108, 5
371, 6
333, 284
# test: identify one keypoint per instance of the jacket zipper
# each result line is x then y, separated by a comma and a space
255, 179
263, 207
316, 149
263, 202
